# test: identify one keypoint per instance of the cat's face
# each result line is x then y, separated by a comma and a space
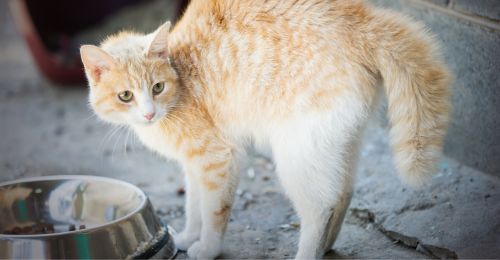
136, 92
131, 79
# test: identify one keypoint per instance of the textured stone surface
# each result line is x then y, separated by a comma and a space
486, 8
473, 55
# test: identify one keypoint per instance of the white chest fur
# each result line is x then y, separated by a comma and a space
153, 137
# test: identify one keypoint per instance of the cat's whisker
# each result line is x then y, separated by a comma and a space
134, 137
126, 142
92, 116
117, 138
105, 137
109, 137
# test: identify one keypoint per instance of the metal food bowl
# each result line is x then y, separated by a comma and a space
75, 217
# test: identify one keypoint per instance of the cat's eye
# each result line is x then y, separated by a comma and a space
158, 88
126, 96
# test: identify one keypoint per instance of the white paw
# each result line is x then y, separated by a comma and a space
201, 250
184, 240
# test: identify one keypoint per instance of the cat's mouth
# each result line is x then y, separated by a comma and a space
152, 121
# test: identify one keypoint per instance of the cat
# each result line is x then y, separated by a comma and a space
301, 76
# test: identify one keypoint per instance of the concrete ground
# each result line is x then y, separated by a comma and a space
46, 130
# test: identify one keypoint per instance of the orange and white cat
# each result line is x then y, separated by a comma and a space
299, 75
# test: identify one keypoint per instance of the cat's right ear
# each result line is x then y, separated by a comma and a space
159, 45
96, 62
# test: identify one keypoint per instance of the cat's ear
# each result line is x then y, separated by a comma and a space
96, 62
159, 45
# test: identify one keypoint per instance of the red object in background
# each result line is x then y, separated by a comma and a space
47, 27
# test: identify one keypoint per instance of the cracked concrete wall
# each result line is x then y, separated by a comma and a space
469, 33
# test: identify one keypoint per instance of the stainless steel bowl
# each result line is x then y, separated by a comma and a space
79, 217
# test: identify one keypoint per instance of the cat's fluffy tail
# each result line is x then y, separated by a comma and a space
417, 87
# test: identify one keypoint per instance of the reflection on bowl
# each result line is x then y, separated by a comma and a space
78, 217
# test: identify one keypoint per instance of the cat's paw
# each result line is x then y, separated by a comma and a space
201, 250
184, 240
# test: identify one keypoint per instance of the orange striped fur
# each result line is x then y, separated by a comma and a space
301, 75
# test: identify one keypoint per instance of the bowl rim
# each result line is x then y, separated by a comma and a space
141, 206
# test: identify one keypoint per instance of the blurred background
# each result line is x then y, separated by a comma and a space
46, 127
54, 30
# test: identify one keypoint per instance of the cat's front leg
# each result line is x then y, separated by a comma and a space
192, 230
218, 181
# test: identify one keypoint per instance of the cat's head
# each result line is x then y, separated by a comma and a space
130, 76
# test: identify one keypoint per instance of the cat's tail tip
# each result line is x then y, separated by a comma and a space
416, 166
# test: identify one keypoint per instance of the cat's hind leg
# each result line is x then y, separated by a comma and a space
315, 163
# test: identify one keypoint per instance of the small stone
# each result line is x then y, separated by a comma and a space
295, 225
487, 196
71, 227
265, 178
251, 173
180, 191
82, 227
247, 196
285, 226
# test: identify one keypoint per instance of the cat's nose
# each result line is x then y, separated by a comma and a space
149, 116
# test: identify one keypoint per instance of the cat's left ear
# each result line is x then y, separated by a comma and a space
96, 62
159, 45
